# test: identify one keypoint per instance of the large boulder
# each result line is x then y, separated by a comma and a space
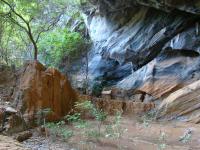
40, 88
183, 104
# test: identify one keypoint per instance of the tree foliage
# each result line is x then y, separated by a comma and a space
27, 17
58, 43
27, 26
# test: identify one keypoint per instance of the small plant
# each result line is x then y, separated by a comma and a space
76, 117
147, 118
186, 137
146, 123
86, 105
99, 114
114, 130
162, 141
57, 129
42, 114
82, 124
93, 134
66, 134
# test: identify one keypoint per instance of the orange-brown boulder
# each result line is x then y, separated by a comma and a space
41, 88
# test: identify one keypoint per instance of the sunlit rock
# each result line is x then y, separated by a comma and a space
183, 104
40, 88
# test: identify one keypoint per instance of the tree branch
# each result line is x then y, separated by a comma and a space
18, 24
13, 10
50, 26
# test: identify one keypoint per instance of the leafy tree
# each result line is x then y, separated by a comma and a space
33, 17
40, 26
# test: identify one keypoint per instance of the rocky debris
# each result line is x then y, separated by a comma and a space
23, 136
126, 107
10, 110
106, 94
40, 88
10, 120
15, 123
124, 95
119, 94
37, 142
8, 80
7, 143
183, 104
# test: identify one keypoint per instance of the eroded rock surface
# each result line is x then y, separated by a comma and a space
34, 89
164, 75
183, 104
42, 88
7, 82
148, 46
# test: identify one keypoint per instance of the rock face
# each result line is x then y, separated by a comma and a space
147, 46
183, 104
7, 82
163, 75
126, 107
40, 88
112, 106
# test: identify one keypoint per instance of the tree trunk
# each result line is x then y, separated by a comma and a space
35, 50
86, 76
29, 32
34, 45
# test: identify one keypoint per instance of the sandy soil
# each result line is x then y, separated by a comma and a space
136, 136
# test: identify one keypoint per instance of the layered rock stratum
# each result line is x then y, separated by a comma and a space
150, 46
144, 47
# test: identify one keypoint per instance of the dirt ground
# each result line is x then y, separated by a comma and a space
135, 136
8, 143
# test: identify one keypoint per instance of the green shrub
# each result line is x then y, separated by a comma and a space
42, 115
82, 124
60, 43
76, 117
58, 129
147, 118
162, 141
186, 137
114, 130
99, 115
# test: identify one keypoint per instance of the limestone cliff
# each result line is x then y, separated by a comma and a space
148, 46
